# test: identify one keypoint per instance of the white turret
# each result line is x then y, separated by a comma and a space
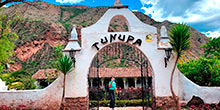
74, 34
73, 44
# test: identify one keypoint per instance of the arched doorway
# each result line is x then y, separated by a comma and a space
118, 59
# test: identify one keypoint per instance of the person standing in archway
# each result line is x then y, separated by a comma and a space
112, 89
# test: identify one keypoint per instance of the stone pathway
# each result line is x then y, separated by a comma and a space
120, 108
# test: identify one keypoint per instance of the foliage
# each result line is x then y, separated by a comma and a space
4, 2
72, 10
115, 64
202, 71
118, 103
179, 38
65, 64
212, 48
19, 107
205, 107
19, 80
7, 38
97, 94
123, 94
55, 57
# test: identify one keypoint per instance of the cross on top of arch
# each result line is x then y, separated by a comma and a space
117, 3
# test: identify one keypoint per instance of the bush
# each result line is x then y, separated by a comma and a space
97, 94
203, 71
118, 103
19, 80
123, 94
131, 93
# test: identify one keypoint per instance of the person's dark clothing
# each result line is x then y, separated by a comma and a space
112, 98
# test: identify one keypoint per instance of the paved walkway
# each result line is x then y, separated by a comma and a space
120, 108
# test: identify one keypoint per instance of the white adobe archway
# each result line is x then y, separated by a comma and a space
78, 82
138, 30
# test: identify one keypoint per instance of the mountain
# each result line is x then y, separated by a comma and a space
44, 25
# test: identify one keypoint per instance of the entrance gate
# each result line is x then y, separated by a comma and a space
130, 55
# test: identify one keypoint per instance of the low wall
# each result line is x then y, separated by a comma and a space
47, 98
189, 89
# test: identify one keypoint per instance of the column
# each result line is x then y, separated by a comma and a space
91, 82
135, 82
124, 82
102, 83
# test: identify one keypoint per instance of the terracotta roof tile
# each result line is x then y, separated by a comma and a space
51, 73
116, 72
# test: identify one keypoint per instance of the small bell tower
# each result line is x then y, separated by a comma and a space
117, 3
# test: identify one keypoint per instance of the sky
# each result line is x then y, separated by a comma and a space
203, 15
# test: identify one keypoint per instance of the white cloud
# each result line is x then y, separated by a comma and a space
200, 11
203, 15
156, 14
69, 1
5, 6
135, 10
212, 34
153, 2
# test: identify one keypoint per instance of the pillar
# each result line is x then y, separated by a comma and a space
102, 83
135, 82
91, 82
124, 82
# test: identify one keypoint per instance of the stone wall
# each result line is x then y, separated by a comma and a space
79, 103
165, 102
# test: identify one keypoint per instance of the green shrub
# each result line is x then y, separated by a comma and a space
202, 71
97, 94
118, 103
19, 80
123, 94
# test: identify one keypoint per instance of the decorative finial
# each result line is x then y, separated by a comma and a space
117, 3
74, 33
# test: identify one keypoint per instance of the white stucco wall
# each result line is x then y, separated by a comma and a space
190, 89
48, 98
161, 75
139, 30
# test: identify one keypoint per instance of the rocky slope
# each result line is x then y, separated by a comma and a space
45, 25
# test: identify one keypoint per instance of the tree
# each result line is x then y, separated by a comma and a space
212, 48
7, 38
55, 56
2, 3
65, 65
179, 40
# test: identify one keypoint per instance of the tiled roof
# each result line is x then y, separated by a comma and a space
116, 72
51, 73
